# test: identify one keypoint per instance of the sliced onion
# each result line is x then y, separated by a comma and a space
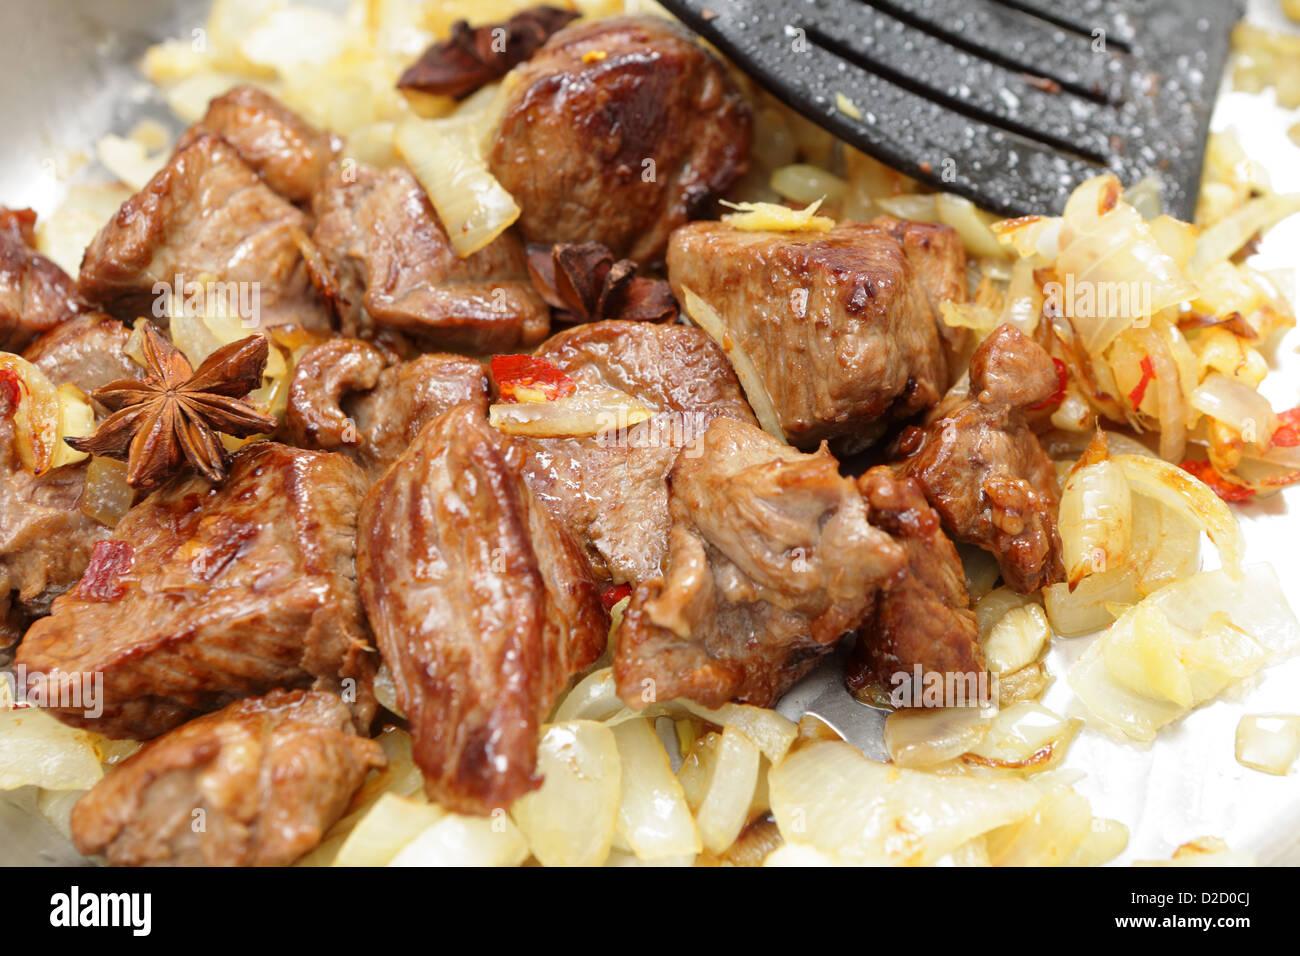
1017, 640
1096, 520
971, 223
1238, 406
770, 731
926, 737
1024, 736
36, 749
800, 182
732, 778
707, 318
914, 207
387, 827
1086, 608
1052, 836
1223, 239
36, 417
570, 820
1268, 742
994, 606
1178, 649
446, 158
594, 698
1183, 494
590, 411
653, 817
466, 841
855, 811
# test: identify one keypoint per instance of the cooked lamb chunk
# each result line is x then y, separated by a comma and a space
984, 470
266, 776
924, 618
611, 491
343, 398
771, 559
290, 154
35, 294
482, 605
45, 538
206, 218
206, 594
618, 131
88, 351
838, 324
935, 252
384, 261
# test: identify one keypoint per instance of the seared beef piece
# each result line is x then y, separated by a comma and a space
935, 252
35, 294
290, 154
205, 217
344, 399
208, 594
924, 618
266, 777
45, 538
618, 131
771, 560
482, 605
838, 324
983, 469
88, 351
611, 491
382, 257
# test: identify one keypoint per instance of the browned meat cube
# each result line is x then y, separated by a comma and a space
984, 470
618, 131
611, 490
922, 619
290, 154
838, 324
255, 784
344, 398
35, 294
384, 259
205, 594
205, 218
482, 605
937, 255
88, 351
771, 560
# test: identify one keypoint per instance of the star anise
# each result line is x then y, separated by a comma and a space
582, 282
471, 58
174, 414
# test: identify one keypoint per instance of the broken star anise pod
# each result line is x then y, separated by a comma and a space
473, 57
176, 414
582, 282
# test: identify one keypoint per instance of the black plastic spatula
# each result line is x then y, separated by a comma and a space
1010, 103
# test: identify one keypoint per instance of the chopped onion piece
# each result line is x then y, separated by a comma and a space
771, 732
1268, 742
570, 820
589, 411
36, 416
1017, 639
106, 497
1183, 494
707, 318
386, 690
1096, 520
800, 182
446, 158
1024, 736
1222, 240
653, 818
856, 811
390, 825
594, 698
457, 840
1237, 405
1084, 609
1178, 649
994, 606
1052, 836
926, 737
36, 749
1203, 851
971, 223
730, 789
